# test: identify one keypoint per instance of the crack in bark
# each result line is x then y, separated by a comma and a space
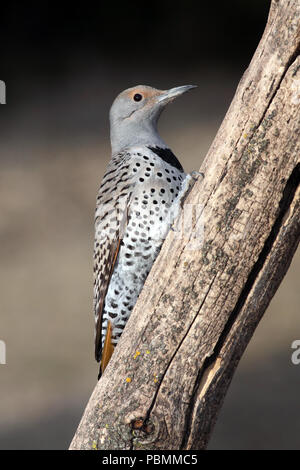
287, 197
290, 61
147, 417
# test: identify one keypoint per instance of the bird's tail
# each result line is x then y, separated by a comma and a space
107, 351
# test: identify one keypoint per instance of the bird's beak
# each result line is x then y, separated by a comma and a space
170, 95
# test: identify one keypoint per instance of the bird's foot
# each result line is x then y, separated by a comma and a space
187, 185
196, 174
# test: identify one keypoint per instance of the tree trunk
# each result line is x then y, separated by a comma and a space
210, 286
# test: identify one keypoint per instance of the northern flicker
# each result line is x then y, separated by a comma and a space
136, 205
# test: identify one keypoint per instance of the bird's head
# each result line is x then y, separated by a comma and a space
134, 115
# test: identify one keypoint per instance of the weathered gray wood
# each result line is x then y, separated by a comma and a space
201, 303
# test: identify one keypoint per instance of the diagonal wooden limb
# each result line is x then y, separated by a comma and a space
204, 297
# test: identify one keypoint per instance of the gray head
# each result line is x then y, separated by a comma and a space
134, 115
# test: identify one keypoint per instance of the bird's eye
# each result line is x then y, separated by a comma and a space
138, 97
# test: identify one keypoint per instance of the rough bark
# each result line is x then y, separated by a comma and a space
201, 303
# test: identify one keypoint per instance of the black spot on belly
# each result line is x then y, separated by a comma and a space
112, 315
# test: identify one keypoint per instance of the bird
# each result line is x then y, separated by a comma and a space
137, 202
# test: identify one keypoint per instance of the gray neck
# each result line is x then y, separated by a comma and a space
128, 133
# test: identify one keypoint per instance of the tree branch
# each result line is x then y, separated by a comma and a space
201, 303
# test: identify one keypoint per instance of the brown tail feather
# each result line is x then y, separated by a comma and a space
108, 349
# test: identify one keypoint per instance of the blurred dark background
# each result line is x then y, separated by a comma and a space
48, 50
51, 40
63, 65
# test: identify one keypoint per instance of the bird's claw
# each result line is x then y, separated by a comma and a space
196, 174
